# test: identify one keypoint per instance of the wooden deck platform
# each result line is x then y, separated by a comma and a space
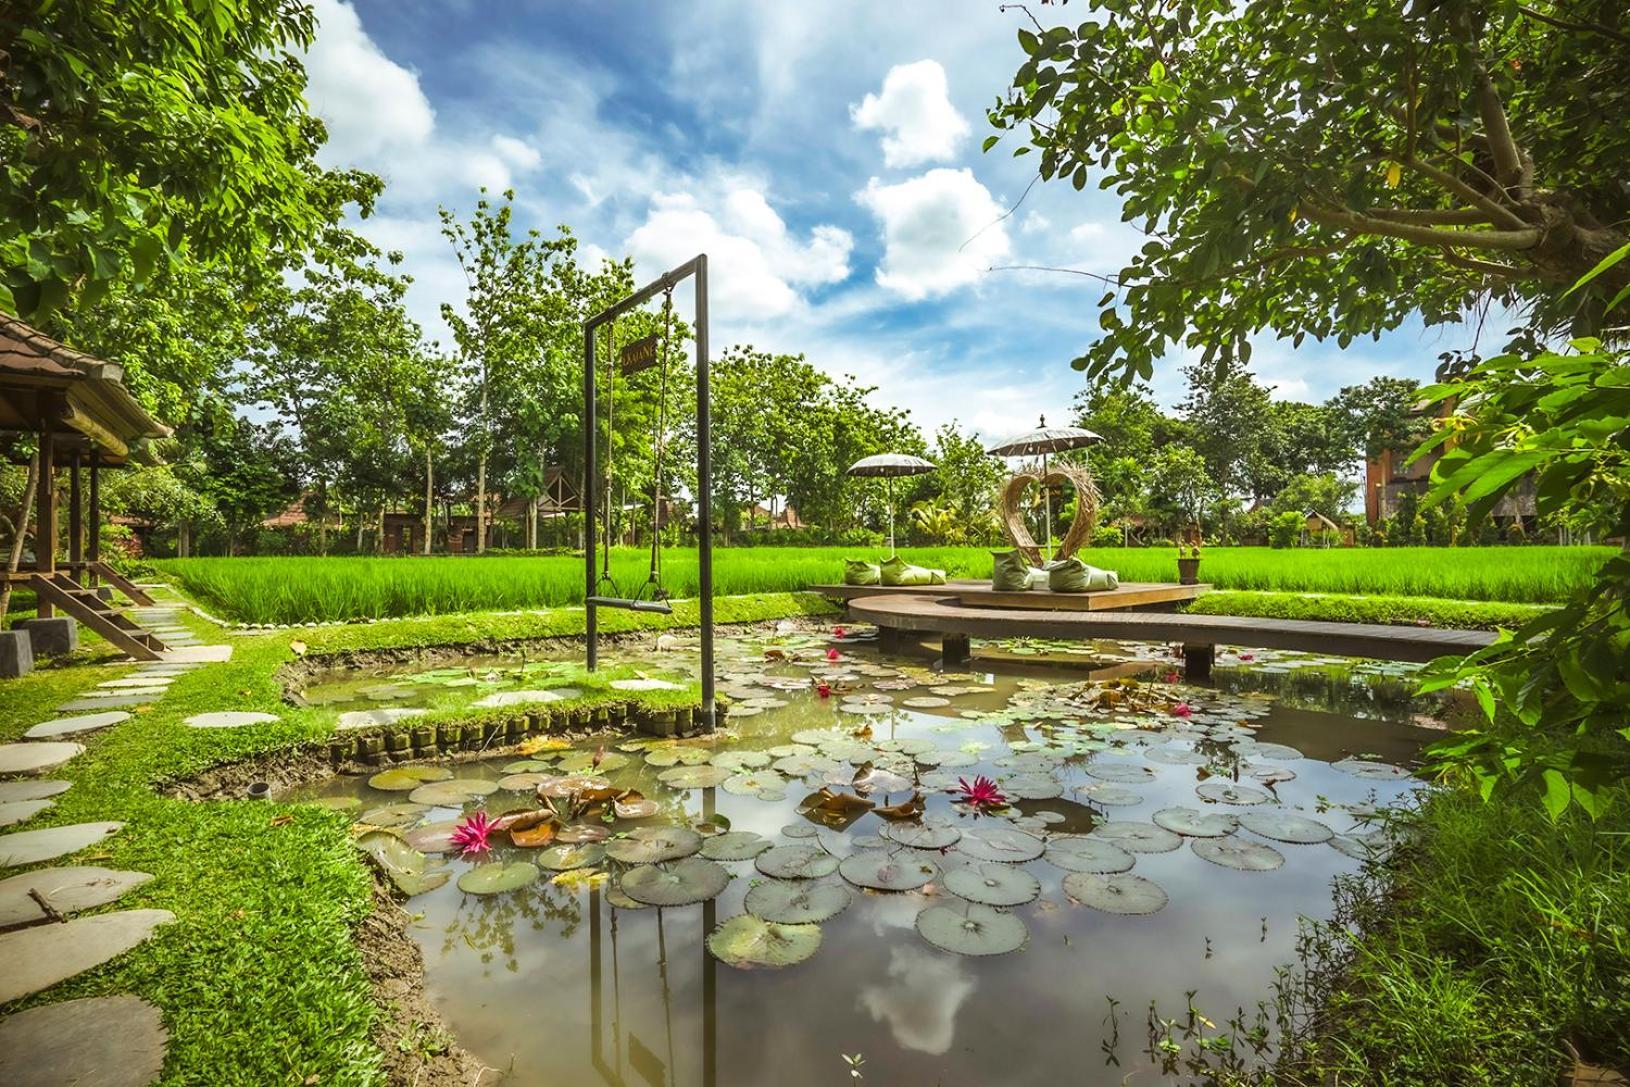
979, 594
944, 613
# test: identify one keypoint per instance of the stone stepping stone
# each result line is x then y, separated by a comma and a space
66, 890
34, 789
34, 757
89, 705
13, 812
201, 654
65, 726
229, 719
135, 681
368, 718
108, 1041
29, 846
39, 957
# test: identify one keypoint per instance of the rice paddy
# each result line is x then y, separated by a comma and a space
311, 589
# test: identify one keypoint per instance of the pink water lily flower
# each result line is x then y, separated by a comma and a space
1181, 709
832, 654
1247, 656
837, 632
981, 793
824, 690
472, 835
1172, 677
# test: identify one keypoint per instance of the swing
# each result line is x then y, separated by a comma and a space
650, 596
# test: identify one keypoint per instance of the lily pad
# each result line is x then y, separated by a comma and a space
784, 903
393, 815
1124, 893
1194, 824
497, 877
680, 883
404, 779
1238, 853
695, 777
1225, 792
923, 835
452, 792
1372, 771
971, 928
404, 865
796, 862
925, 702
1111, 794
764, 784
525, 782
569, 786
1138, 837
564, 858
741, 760
735, 845
748, 941
1125, 773
582, 833
897, 871
582, 762
1001, 844
1284, 826
433, 837
652, 845
1079, 853
993, 884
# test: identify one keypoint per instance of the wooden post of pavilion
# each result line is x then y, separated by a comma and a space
45, 517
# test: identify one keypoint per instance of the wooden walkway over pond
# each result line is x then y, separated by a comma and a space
947, 615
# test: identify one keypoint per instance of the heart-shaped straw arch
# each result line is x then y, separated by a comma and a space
1086, 509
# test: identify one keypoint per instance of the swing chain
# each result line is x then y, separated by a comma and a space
654, 579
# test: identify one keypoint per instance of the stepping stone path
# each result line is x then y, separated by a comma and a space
108, 1041
229, 719
368, 718
34, 789
29, 846
136, 681
35, 757
82, 705
66, 890
64, 726
13, 812
39, 957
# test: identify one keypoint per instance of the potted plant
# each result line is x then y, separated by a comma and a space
1188, 564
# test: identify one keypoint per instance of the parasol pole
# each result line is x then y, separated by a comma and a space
888, 487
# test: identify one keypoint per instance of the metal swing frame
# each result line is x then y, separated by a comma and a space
694, 269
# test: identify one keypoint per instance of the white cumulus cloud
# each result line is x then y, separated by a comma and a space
915, 115
939, 232
518, 154
370, 103
755, 264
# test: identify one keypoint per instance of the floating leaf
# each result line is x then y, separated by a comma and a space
533, 837
651, 845
632, 805
741, 760
898, 871
405, 779
405, 866
1000, 844
735, 845
452, 792
1195, 824
563, 858
1138, 837
1124, 893
796, 862
1078, 853
1286, 827
581, 833
906, 809
694, 777
570, 786
748, 941
1238, 853
679, 883
497, 877
928, 835
784, 903
525, 782
1225, 792
1374, 771
1111, 794
1123, 772
993, 884
393, 815
971, 928
582, 762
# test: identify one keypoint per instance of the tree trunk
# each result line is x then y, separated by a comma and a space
183, 538
532, 524
481, 503
429, 495
15, 559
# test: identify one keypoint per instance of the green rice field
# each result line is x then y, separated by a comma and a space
296, 590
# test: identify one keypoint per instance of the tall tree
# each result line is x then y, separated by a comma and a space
1227, 412
1328, 168
1383, 413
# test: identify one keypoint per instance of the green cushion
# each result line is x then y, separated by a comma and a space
898, 571
1071, 575
861, 572
1010, 572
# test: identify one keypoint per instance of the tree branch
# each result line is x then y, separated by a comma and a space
1496, 212
1426, 235
1432, 217
1488, 267
1497, 129
1571, 24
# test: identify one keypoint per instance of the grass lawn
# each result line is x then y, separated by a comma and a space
259, 978
296, 590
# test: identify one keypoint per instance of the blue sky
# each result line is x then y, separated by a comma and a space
826, 157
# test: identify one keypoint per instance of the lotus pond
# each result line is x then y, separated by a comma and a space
812, 890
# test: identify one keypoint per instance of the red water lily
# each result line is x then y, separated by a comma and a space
471, 836
832, 654
1247, 656
824, 690
982, 793
1181, 709
1172, 677
837, 632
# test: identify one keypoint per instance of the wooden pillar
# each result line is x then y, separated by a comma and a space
93, 544
45, 518
1197, 662
76, 520
888, 639
955, 649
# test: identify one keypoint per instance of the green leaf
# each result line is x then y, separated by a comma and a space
1607, 262
1557, 793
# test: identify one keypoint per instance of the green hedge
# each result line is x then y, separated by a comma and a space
1387, 610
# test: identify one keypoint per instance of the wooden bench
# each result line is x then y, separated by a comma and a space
925, 612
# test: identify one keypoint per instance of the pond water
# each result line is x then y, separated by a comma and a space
1159, 839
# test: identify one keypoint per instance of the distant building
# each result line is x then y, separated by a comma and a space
1387, 478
